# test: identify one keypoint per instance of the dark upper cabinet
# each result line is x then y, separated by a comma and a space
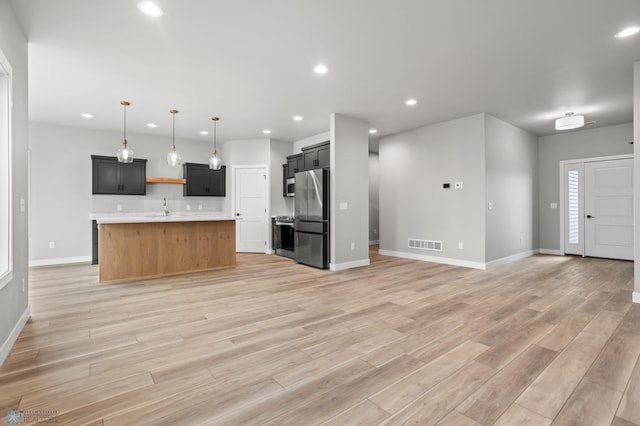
294, 165
316, 156
203, 181
111, 177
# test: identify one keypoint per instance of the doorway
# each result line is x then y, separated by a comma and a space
250, 199
597, 201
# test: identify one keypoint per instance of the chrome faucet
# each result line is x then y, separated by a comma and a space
164, 207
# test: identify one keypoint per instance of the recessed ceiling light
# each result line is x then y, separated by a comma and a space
266, 131
297, 118
627, 32
411, 102
204, 132
87, 116
320, 69
373, 131
152, 125
150, 8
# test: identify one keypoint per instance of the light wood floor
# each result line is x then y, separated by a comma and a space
546, 339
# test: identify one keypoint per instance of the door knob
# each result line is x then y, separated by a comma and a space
237, 214
590, 217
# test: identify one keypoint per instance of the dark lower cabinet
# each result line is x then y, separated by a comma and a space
316, 156
94, 242
111, 177
202, 181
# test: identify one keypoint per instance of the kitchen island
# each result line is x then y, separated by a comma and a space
137, 246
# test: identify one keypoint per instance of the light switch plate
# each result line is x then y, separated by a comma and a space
553, 205
344, 206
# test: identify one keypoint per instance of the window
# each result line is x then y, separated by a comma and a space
5, 172
573, 206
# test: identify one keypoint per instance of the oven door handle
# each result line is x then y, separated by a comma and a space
284, 224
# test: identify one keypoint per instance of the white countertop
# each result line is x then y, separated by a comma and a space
158, 217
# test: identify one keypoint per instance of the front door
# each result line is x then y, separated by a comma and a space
251, 208
609, 209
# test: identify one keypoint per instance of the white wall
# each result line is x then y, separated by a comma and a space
311, 140
413, 204
349, 228
588, 143
14, 310
511, 156
61, 183
374, 199
636, 165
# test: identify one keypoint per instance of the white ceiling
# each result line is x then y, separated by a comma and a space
250, 62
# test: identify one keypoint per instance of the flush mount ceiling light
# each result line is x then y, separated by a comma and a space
320, 69
411, 102
297, 118
150, 8
204, 132
87, 116
152, 125
173, 157
569, 121
373, 131
215, 162
125, 154
628, 32
266, 131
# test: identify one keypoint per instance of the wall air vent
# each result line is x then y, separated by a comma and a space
414, 243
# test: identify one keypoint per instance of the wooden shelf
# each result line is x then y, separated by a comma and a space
151, 179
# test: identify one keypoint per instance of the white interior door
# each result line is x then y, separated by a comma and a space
608, 209
251, 206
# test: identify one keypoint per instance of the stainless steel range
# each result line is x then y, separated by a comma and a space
283, 236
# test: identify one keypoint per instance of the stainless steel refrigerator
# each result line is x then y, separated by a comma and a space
312, 218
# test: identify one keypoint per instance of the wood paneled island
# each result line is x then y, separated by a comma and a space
133, 247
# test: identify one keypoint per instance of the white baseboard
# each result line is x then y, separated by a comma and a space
349, 265
636, 297
13, 336
551, 251
374, 242
60, 261
434, 259
512, 258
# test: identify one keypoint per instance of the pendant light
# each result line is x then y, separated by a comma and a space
125, 154
570, 121
173, 157
215, 162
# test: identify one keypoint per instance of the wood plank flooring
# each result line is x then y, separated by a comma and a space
545, 340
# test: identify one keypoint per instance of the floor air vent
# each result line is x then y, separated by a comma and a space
425, 244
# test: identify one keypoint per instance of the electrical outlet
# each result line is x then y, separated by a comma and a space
460, 245
521, 240
457, 185
353, 246
119, 207
24, 285
52, 244
188, 206
375, 231
199, 206
490, 205
22, 205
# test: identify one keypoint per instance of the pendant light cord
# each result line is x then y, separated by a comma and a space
173, 146
125, 123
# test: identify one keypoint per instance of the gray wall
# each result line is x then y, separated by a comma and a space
350, 168
413, 204
511, 156
589, 143
13, 300
636, 165
374, 199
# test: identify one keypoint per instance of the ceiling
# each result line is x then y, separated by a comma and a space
251, 62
